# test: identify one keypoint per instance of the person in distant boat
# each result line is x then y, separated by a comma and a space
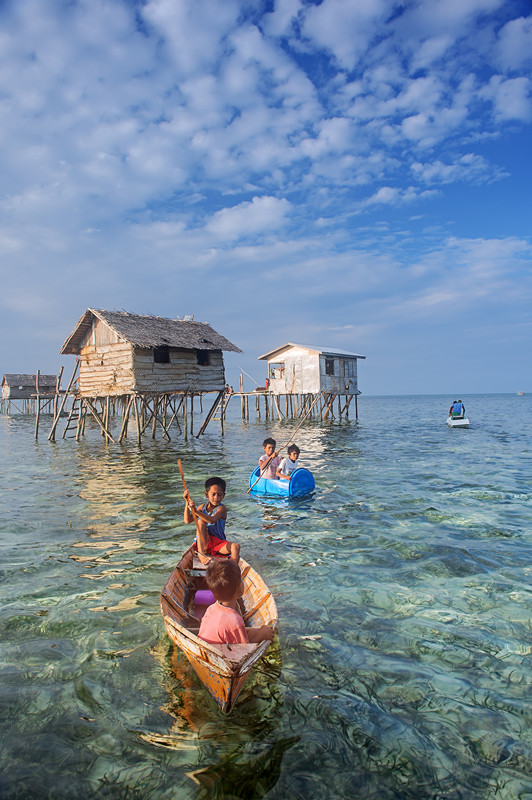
210, 535
457, 410
270, 458
222, 623
288, 465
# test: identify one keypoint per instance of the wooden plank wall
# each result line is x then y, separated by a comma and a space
106, 369
183, 372
114, 369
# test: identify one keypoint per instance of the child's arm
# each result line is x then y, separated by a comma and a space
264, 460
221, 513
265, 632
189, 505
280, 473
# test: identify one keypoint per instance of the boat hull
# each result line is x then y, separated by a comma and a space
458, 422
221, 668
302, 483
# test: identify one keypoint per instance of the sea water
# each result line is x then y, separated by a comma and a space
402, 666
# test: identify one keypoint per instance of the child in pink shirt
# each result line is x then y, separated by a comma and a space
221, 623
269, 456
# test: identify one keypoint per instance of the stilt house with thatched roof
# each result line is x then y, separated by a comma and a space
16, 386
121, 353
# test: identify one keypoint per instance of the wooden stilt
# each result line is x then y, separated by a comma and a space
329, 404
98, 418
218, 399
37, 415
51, 435
123, 430
154, 417
137, 419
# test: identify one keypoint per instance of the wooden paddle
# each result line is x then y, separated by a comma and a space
201, 556
265, 467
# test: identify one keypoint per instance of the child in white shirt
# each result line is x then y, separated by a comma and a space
288, 465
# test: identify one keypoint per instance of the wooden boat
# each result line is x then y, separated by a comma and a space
302, 483
458, 422
222, 668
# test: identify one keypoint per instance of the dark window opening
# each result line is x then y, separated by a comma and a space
204, 358
161, 355
329, 366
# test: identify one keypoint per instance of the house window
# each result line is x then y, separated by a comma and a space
277, 370
203, 357
161, 355
329, 366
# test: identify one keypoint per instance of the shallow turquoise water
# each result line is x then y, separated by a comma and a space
403, 662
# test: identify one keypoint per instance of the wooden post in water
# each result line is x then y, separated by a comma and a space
38, 407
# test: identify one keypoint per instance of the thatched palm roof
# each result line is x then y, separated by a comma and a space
23, 379
146, 331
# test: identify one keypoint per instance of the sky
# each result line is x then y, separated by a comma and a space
351, 174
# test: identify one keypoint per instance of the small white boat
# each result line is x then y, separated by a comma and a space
458, 422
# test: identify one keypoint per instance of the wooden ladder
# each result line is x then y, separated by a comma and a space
74, 418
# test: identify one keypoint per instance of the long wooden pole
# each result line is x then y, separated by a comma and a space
193, 512
287, 443
38, 404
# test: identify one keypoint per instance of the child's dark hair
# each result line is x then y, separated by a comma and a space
269, 440
214, 481
294, 449
223, 578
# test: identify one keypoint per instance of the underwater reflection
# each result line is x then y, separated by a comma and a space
247, 773
115, 491
240, 756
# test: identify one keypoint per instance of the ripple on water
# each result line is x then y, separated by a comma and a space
403, 590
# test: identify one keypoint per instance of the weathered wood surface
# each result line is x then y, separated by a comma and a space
221, 668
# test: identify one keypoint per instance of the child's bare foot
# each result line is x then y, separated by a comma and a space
203, 558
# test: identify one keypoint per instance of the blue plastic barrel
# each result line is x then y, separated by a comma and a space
302, 483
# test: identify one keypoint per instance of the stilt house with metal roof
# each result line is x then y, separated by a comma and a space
308, 371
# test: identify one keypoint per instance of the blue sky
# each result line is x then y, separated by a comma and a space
347, 174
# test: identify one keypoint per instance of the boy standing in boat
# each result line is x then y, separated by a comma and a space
210, 536
288, 465
221, 623
270, 458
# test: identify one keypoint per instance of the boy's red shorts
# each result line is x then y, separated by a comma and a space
215, 544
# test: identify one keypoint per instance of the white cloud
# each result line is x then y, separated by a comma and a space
262, 214
193, 33
514, 46
344, 28
130, 129
393, 196
512, 98
470, 168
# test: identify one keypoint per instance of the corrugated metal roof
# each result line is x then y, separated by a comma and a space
327, 351
149, 331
